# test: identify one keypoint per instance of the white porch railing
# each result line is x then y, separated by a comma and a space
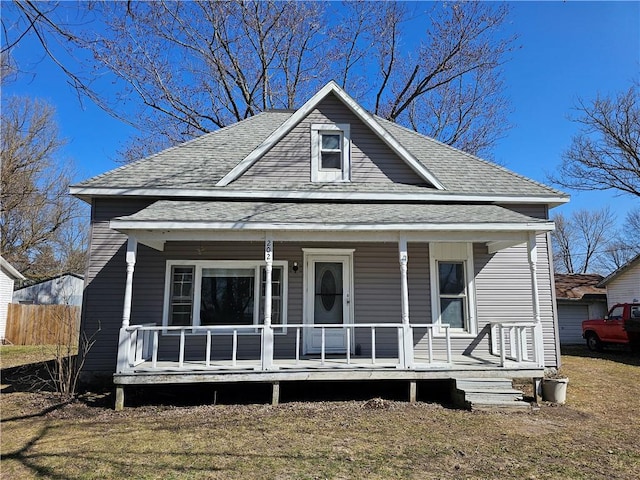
141, 343
517, 342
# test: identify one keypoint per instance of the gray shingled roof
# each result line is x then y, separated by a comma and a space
202, 162
462, 172
241, 213
198, 163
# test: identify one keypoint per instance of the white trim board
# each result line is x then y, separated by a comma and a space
157, 239
220, 193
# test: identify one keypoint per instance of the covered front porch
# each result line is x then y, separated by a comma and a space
292, 337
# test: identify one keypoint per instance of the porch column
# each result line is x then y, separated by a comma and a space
407, 331
267, 333
132, 247
533, 267
124, 343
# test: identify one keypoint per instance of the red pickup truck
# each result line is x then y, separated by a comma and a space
621, 325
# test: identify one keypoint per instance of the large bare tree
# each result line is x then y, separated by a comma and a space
582, 240
39, 233
185, 68
626, 243
605, 154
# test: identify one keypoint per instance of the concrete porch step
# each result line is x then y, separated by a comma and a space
486, 394
523, 407
484, 383
481, 397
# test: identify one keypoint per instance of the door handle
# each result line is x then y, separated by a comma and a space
348, 299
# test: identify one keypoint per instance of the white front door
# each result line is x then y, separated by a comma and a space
327, 300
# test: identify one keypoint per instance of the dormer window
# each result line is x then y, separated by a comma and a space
330, 153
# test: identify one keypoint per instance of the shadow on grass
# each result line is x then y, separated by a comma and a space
41, 413
32, 377
31, 459
614, 353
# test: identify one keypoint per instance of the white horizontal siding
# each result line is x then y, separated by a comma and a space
625, 288
6, 291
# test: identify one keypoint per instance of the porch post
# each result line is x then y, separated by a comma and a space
124, 343
132, 247
533, 267
267, 333
407, 354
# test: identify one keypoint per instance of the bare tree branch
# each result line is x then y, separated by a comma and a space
37, 216
605, 154
185, 68
582, 242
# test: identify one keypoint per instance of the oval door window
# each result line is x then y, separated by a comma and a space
328, 289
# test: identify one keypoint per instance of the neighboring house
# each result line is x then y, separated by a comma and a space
65, 289
623, 285
579, 298
8, 276
320, 244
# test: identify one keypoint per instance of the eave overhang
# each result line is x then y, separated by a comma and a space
168, 220
87, 193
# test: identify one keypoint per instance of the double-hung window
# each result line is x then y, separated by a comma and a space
330, 153
452, 290
452, 287
203, 293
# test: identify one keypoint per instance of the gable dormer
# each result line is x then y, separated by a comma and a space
322, 147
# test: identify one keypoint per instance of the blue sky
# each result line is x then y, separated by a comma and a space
568, 50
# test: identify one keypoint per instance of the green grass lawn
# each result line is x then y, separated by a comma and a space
16, 355
595, 435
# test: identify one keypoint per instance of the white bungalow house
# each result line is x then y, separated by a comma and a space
8, 276
323, 243
623, 285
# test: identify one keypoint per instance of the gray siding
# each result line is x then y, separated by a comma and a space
372, 161
503, 290
104, 282
535, 211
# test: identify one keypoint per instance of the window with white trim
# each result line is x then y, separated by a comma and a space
181, 303
330, 153
452, 286
452, 292
203, 293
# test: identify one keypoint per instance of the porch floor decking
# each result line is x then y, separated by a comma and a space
333, 369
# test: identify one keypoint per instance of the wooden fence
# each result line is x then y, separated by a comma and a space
42, 324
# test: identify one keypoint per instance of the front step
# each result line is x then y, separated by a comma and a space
488, 394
